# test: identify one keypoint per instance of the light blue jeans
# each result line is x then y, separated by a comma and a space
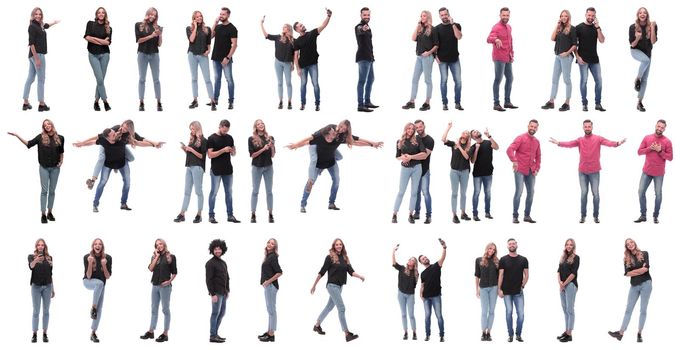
643, 70
529, 181
597, 76
406, 304
258, 173
477, 183
99, 288
313, 72
270, 300
424, 188
99, 64
412, 174
124, 172
562, 66
518, 301
423, 65
334, 171
196, 61
215, 180
48, 184
502, 69
592, 180
444, 68
436, 304
283, 69
41, 294
34, 71
217, 314
642, 292
102, 156
365, 83
488, 296
568, 298
193, 179
334, 299
151, 60
459, 178
645, 181
160, 294
226, 69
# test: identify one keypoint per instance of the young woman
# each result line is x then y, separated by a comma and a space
283, 61
460, 171
42, 289
486, 285
410, 151
163, 267
37, 49
338, 266
567, 273
426, 46
262, 150
195, 164
406, 282
564, 36
50, 157
149, 37
97, 271
271, 271
199, 36
98, 36
642, 37
636, 265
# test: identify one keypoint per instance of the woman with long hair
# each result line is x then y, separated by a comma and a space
269, 280
460, 171
149, 37
636, 265
426, 46
338, 266
567, 273
98, 36
406, 283
97, 270
642, 37
410, 151
163, 267
486, 285
564, 36
195, 167
50, 157
262, 150
283, 61
199, 35
42, 289
37, 49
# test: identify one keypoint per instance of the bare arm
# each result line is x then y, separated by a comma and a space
525, 277
272, 279
443, 257
362, 278
262, 27
323, 25
192, 36
19, 138
446, 132
501, 274
457, 33
154, 261
652, 37
300, 143
88, 142
318, 277
105, 269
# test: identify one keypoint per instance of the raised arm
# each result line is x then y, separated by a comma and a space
394, 255
18, 137
88, 142
446, 132
262, 27
323, 25
443, 257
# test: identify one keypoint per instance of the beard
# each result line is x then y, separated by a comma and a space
532, 132
589, 132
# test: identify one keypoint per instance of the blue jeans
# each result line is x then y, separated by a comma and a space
568, 298
423, 65
594, 181
334, 171
334, 299
106, 171
99, 64
406, 303
562, 66
645, 180
283, 69
196, 61
270, 300
365, 83
219, 68
643, 292
102, 156
160, 294
436, 304
424, 188
313, 72
488, 296
477, 183
597, 76
518, 301
258, 174
151, 60
217, 314
643, 70
444, 68
529, 181
412, 174
98, 287
502, 69
313, 157
459, 178
193, 179
34, 71
41, 294
48, 183
227, 180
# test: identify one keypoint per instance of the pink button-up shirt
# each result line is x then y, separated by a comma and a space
526, 151
504, 33
655, 162
589, 150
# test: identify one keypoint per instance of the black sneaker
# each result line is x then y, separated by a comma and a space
370, 105
141, 106
616, 335
394, 219
96, 106
267, 338
124, 206
364, 109
280, 105
427, 338
317, 108
465, 217
216, 339
95, 209
350, 336
162, 338
212, 220
483, 336
642, 218
515, 220
409, 105
253, 219
459, 107
445, 107
147, 335
405, 336
415, 337
231, 105
498, 108
416, 216
213, 107
271, 218
318, 330
519, 338
583, 219
34, 338
548, 105
303, 210
93, 313
564, 107
233, 219
197, 219
428, 220
585, 108
179, 218
509, 105
488, 216
43, 108
332, 206
411, 220
290, 105
441, 339
43, 219
193, 104
302, 107
159, 107
598, 107
566, 338
656, 220
641, 108
26, 106
455, 219
510, 339
596, 220
564, 334
639, 337
106, 106
528, 219
475, 218
45, 338
94, 338
424, 107
638, 84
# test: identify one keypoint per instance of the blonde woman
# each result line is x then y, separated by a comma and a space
42, 289
426, 46
163, 267
283, 61
269, 280
642, 37
406, 282
564, 36
410, 152
486, 285
97, 270
199, 35
37, 49
262, 150
567, 273
195, 167
460, 171
149, 37
98, 36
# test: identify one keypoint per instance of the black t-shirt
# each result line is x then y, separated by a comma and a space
405, 283
265, 158
282, 51
364, 43
488, 275
340, 136
163, 269
428, 141
645, 44
458, 161
426, 42
114, 153
97, 271
202, 40
192, 160
431, 278
307, 46
484, 162
448, 44
222, 42
97, 30
37, 36
270, 267
41, 274
217, 276
513, 273
142, 30
221, 165
126, 135
565, 269
337, 273
325, 151
587, 43
48, 155
565, 41
409, 148
637, 280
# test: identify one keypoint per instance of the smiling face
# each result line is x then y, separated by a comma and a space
40, 246
217, 252
476, 135
37, 15
198, 17
411, 264
424, 260
532, 128
569, 246
505, 17
160, 246
490, 250
642, 14
588, 128
660, 128
631, 245
338, 246
224, 16
564, 17
444, 16
151, 15
300, 28
590, 17
259, 126
423, 18
365, 16
410, 130
512, 246
420, 128
271, 245
100, 14
47, 126
97, 246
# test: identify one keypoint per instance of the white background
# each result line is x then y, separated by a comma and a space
369, 178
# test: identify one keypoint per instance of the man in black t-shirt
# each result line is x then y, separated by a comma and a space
226, 36
424, 184
513, 275
220, 150
449, 33
364, 59
588, 34
482, 173
431, 291
307, 59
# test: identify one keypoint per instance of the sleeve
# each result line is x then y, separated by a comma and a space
493, 35
513, 148
209, 275
450, 143
350, 270
604, 141
575, 265
204, 147
626, 269
458, 26
631, 33
538, 156
34, 141
358, 30
644, 148
395, 265
478, 270
275, 265
234, 32
354, 137
226, 270
326, 265
109, 264
60, 149
30, 260
559, 268
525, 263
211, 143
209, 36
32, 34
656, 30
435, 37
667, 151
501, 264
138, 138
315, 32
398, 150
110, 36
173, 265
88, 29
85, 264
646, 256
46, 25
251, 146
572, 36
188, 30
230, 143
138, 33
272, 37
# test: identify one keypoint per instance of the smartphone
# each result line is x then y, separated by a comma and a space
440, 241
182, 143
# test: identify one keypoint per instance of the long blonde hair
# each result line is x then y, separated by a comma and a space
166, 252
287, 38
638, 25
203, 26
107, 26
335, 259
196, 138
628, 255
42, 20
567, 26
408, 271
349, 139
403, 138
46, 136
275, 251
144, 24
494, 258
569, 258
46, 252
257, 140
92, 247
427, 29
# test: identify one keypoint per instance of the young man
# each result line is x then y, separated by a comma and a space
217, 281
525, 155
220, 150
226, 36
307, 59
513, 275
424, 185
482, 173
503, 55
588, 34
447, 56
657, 149
364, 59
431, 291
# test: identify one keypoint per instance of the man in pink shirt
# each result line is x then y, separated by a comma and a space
503, 55
657, 150
525, 155
589, 165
